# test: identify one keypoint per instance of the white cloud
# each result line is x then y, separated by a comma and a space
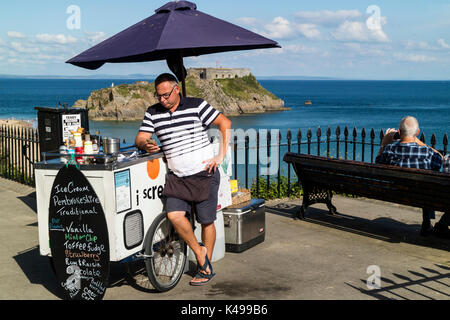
19, 47
358, 31
351, 31
363, 49
309, 30
346, 25
424, 45
414, 45
247, 21
55, 39
327, 18
49, 57
443, 44
413, 57
34, 57
95, 37
16, 35
23, 61
281, 28
296, 48
379, 35
13, 54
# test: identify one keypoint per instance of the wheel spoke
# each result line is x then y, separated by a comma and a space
168, 250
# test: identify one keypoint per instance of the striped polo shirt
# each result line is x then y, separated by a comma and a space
183, 134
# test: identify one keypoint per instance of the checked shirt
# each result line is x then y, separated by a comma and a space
410, 155
446, 165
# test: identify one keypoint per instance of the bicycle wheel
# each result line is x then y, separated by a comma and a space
167, 252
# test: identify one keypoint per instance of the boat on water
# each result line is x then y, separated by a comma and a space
308, 102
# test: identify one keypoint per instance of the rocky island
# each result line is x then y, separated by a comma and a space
230, 91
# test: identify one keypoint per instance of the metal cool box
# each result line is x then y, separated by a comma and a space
244, 226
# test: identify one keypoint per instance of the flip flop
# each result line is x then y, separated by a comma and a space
207, 263
200, 275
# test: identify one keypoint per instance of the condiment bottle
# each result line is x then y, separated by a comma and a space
71, 142
95, 146
62, 152
78, 153
88, 149
78, 140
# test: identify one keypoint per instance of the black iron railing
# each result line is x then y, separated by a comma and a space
257, 157
19, 150
343, 144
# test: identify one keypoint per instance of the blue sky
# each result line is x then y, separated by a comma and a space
357, 39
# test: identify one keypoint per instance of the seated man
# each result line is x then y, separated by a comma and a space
409, 152
441, 228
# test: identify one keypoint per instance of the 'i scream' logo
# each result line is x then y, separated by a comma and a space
153, 168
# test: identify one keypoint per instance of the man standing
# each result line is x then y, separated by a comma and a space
409, 152
181, 124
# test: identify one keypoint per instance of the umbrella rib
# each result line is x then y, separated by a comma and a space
164, 30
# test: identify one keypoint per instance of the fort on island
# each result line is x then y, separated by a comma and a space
218, 73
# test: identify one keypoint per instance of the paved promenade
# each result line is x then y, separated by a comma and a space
323, 257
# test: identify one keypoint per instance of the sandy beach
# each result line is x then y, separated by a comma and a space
16, 123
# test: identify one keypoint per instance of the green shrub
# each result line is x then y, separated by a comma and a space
268, 192
271, 192
123, 90
12, 172
243, 88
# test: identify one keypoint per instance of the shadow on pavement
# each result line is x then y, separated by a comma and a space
385, 229
132, 274
30, 201
404, 287
38, 270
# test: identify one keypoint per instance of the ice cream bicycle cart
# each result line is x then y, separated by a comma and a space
110, 211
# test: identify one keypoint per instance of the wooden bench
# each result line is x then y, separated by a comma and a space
319, 176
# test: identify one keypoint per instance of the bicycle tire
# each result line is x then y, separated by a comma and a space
167, 254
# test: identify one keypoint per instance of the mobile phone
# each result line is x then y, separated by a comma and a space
152, 141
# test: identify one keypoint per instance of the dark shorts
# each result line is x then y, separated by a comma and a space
206, 211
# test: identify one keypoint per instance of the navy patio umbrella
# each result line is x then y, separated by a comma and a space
176, 30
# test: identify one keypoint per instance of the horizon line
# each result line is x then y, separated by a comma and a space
152, 76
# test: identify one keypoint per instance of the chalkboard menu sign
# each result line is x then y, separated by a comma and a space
78, 236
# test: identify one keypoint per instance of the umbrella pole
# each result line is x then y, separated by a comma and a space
183, 76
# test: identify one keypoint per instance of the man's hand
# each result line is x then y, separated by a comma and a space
151, 148
213, 163
144, 142
388, 137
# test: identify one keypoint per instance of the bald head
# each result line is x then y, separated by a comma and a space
409, 127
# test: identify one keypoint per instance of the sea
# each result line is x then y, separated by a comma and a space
355, 104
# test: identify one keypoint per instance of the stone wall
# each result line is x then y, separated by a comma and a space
219, 73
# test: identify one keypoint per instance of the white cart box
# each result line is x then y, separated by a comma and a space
133, 186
